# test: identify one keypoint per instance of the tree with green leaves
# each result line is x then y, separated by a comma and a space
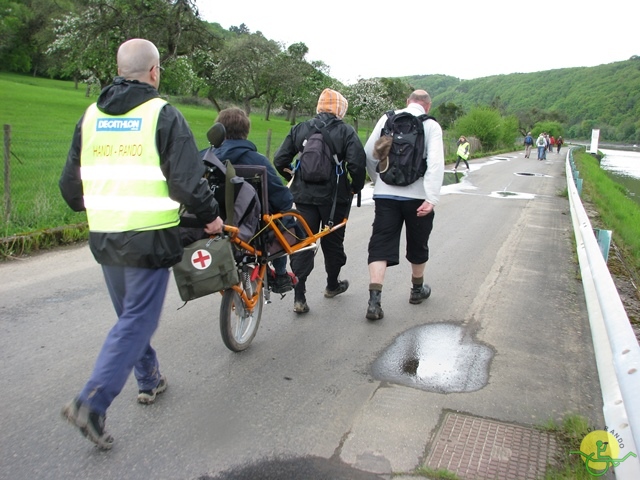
447, 114
552, 128
26, 29
527, 119
397, 90
509, 130
483, 123
87, 40
14, 48
88, 56
180, 78
244, 72
286, 77
314, 78
368, 100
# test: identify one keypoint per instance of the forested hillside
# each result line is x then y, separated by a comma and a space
606, 96
76, 40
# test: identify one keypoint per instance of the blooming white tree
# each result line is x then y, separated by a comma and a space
86, 41
367, 98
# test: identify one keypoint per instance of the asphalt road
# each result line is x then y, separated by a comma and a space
302, 401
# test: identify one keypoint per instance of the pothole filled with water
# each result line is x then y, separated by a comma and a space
452, 177
516, 195
441, 357
528, 174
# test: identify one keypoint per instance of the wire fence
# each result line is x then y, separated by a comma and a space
31, 199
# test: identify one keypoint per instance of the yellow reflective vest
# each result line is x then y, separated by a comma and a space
123, 185
463, 150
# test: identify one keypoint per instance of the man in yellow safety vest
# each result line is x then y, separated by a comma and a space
133, 161
464, 149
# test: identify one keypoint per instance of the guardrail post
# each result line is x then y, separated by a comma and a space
604, 241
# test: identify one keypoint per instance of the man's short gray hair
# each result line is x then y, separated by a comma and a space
420, 96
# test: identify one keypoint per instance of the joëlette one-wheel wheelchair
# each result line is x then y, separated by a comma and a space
278, 234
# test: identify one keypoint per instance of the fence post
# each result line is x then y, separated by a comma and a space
7, 172
268, 149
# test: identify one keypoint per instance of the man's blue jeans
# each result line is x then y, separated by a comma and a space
137, 295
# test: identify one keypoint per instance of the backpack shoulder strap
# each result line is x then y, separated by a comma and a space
424, 117
211, 157
323, 129
385, 128
229, 193
329, 141
311, 130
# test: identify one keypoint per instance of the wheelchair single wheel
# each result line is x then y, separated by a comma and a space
238, 326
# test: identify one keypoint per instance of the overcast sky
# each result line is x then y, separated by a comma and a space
465, 38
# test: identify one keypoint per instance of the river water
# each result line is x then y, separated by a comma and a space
623, 167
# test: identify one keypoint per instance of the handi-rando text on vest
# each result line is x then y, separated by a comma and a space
124, 187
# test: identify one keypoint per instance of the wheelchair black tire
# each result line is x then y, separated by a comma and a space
237, 326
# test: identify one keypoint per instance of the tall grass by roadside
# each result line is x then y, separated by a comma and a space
617, 212
569, 433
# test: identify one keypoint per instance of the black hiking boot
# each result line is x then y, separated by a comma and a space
419, 294
282, 283
342, 287
374, 310
299, 300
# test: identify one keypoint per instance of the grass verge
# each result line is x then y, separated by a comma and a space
20, 245
569, 434
616, 211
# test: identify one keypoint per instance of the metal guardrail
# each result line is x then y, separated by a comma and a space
615, 344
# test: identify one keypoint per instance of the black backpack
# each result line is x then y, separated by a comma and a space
317, 161
407, 162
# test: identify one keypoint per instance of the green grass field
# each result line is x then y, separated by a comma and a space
42, 115
42, 110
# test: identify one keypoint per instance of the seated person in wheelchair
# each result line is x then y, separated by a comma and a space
240, 151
